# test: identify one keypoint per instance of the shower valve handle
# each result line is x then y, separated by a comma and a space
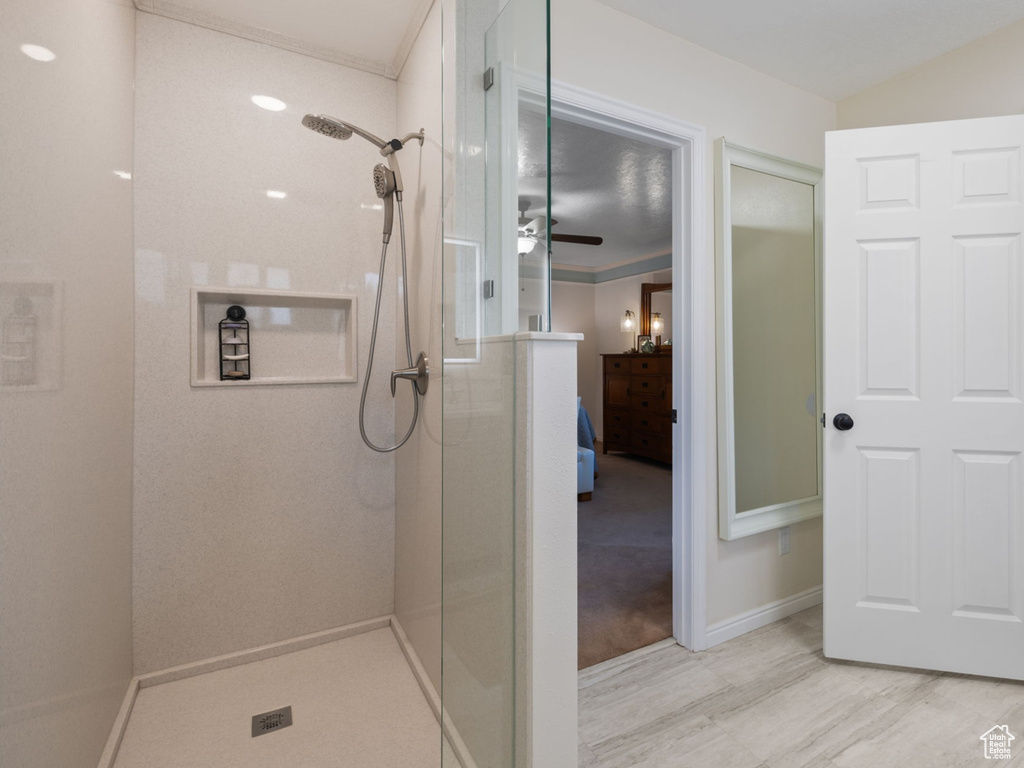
418, 375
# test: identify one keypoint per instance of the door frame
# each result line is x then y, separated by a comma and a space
690, 272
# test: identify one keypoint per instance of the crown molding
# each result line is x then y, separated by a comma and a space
412, 31
651, 262
201, 18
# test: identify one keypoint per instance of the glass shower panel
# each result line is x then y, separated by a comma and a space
495, 77
518, 185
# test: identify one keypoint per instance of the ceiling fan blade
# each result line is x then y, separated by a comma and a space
578, 239
539, 224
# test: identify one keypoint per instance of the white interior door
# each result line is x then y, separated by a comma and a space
924, 350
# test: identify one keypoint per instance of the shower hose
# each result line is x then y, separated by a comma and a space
373, 338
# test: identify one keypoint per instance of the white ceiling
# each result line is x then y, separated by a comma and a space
375, 36
602, 184
834, 48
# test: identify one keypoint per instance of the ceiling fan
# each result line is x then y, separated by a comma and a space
531, 231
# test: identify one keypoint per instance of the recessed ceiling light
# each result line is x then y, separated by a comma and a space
123, 175
269, 102
276, 194
38, 53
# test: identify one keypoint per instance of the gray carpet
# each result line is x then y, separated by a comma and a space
625, 558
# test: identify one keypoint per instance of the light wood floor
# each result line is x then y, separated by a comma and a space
770, 699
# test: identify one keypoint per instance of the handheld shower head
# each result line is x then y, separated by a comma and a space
339, 129
384, 183
383, 180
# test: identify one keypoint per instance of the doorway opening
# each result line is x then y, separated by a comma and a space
683, 464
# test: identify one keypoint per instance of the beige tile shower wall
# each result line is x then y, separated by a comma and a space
602, 50
259, 513
66, 421
418, 463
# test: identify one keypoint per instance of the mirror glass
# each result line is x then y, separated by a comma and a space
661, 303
773, 345
769, 356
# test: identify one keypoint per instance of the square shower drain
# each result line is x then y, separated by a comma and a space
268, 722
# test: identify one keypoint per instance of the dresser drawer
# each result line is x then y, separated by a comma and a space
614, 364
616, 438
616, 419
647, 385
653, 365
650, 423
654, 446
642, 404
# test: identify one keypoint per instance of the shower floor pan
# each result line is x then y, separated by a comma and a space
354, 702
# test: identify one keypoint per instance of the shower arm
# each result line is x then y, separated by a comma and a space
389, 149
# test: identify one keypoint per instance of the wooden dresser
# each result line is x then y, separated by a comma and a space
638, 404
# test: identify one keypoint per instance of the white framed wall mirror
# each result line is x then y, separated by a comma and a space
768, 266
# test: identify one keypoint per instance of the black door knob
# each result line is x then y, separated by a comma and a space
843, 422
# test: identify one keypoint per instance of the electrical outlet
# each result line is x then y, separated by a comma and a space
784, 541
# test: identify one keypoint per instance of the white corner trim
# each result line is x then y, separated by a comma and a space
763, 616
455, 740
412, 32
200, 18
548, 336
109, 754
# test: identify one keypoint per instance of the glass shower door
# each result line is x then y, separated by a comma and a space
496, 125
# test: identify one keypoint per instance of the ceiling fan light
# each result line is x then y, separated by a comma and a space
526, 244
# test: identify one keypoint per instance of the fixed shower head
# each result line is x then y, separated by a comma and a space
339, 129
327, 126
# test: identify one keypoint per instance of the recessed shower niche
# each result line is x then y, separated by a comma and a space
295, 338
31, 352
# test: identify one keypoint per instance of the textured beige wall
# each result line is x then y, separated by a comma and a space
66, 434
418, 463
981, 79
259, 513
602, 50
572, 311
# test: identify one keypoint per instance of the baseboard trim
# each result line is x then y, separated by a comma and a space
109, 754
262, 652
430, 693
762, 616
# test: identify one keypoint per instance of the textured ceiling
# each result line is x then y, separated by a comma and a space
601, 184
834, 48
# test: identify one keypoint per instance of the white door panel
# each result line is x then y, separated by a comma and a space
924, 348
